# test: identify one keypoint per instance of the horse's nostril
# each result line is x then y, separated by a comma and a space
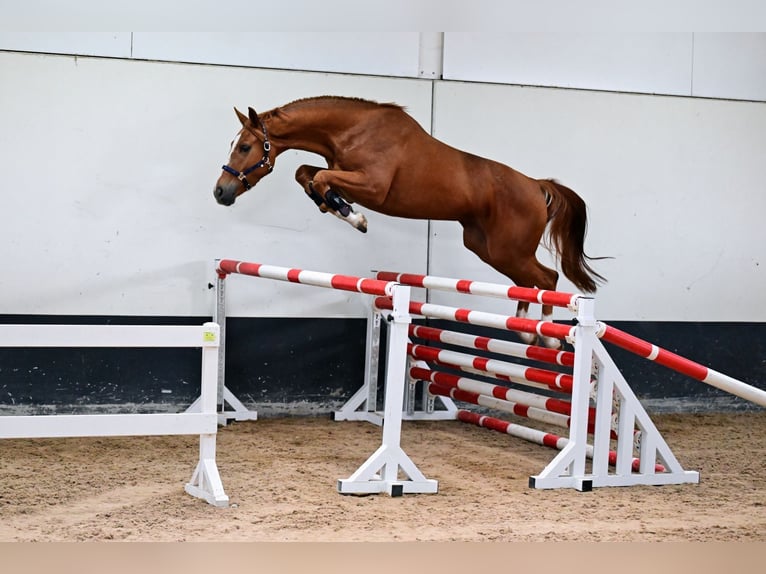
223, 196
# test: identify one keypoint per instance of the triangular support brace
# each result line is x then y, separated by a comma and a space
389, 469
635, 430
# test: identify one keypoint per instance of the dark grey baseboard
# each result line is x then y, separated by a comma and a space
310, 366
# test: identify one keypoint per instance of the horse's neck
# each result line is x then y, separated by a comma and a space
309, 130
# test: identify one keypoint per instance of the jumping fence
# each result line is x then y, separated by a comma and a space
611, 440
205, 482
389, 469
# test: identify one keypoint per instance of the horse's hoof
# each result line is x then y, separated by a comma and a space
552, 343
527, 338
359, 221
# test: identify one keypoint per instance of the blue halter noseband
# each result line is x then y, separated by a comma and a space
242, 175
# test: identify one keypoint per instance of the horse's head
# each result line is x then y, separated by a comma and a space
249, 161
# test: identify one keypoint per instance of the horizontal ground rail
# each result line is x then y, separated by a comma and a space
539, 437
389, 469
205, 482
681, 364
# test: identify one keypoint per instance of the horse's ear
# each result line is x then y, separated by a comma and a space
242, 117
253, 116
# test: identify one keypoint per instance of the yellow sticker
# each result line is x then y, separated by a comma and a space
208, 336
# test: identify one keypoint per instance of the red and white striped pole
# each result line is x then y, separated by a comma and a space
499, 346
517, 373
315, 278
518, 409
539, 437
555, 298
682, 365
449, 380
483, 319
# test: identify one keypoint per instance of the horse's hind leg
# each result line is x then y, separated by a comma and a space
524, 271
535, 274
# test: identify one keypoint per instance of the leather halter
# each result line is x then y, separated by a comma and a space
265, 160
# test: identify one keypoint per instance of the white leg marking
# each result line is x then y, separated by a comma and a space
550, 342
528, 338
354, 219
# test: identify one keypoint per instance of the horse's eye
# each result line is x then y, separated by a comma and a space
245, 148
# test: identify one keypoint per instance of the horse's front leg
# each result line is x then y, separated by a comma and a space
522, 311
328, 199
304, 175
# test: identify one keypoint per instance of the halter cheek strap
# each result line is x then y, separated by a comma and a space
265, 161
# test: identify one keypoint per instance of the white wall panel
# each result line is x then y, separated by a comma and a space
377, 53
631, 62
730, 66
114, 44
673, 187
106, 191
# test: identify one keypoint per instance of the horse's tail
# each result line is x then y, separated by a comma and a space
567, 225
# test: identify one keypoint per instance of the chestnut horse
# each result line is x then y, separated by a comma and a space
379, 157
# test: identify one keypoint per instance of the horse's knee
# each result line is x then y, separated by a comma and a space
315, 196
305, 173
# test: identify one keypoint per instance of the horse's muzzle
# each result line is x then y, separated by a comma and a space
224, 196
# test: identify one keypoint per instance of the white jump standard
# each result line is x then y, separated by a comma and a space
205, 482
388, 469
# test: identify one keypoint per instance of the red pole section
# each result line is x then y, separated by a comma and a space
538, 437
555, 298
509, 348
493, 320
497, 391
682, 365
517, 373
305, 277
518, 409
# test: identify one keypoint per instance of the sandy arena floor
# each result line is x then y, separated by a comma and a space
280, 475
